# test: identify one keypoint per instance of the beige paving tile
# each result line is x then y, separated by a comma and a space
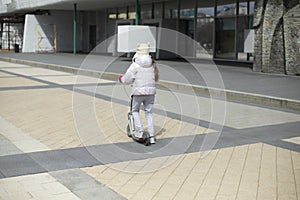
196, 178
38, 186
267, 187
22, 140
121, 179
250, 176
295, 156
211, 184
231, 180
107, 175
168, 190
285, 175
225, 197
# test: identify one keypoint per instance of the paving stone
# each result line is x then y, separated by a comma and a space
55, 160
84, 186
173, 164
1, 175
83, 156
17, 165
7, 148
285, 145
267, 185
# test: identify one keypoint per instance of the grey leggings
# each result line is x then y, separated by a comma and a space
148, 101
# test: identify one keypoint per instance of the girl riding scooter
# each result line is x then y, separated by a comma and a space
143, 74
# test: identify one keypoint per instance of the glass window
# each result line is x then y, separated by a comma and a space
122, 13
131, 12
251, 7
225, 38
146, 11
111, 14
187, 12
171, 9
206, 8
187, 9
226, 8
243, 7
158, 8
244, 24
205, 28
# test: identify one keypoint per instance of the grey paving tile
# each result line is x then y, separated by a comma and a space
285, 145
84, 186
272, 132
17, 165
96, 193
55, 160
83, 156
73, 179
7, 148
109, 154
1, 175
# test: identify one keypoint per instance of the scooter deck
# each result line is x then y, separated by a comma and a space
144, 140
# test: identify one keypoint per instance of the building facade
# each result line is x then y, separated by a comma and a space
264, 33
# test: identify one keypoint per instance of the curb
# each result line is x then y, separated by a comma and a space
244, 97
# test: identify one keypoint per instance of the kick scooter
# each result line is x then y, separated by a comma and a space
131, 129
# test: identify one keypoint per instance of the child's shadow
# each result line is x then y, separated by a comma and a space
159, 130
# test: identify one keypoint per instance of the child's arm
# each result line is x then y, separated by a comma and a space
129, 76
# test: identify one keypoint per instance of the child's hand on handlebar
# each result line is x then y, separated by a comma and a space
120, 79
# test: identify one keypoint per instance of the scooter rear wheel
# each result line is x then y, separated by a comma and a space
146, 140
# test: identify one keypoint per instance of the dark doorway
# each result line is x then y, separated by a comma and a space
92, 35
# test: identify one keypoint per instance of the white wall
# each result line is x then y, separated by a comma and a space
64, 31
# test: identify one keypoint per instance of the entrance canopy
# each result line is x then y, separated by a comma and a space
8, 6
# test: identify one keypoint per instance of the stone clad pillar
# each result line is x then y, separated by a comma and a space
292, 40
277, 38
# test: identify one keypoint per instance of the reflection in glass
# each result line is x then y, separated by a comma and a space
131, 12
111, 14
225, 38
244, 23
122, 13
251, 8
186, 13
205, 27
146, 11
206, 8
171, 9
158, 8
226, 9
187, 9
243, 8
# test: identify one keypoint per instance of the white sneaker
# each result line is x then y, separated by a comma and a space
152, 140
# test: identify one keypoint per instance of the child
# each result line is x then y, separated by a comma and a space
143, 74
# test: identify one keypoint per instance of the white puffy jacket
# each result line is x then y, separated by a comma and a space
141, 75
